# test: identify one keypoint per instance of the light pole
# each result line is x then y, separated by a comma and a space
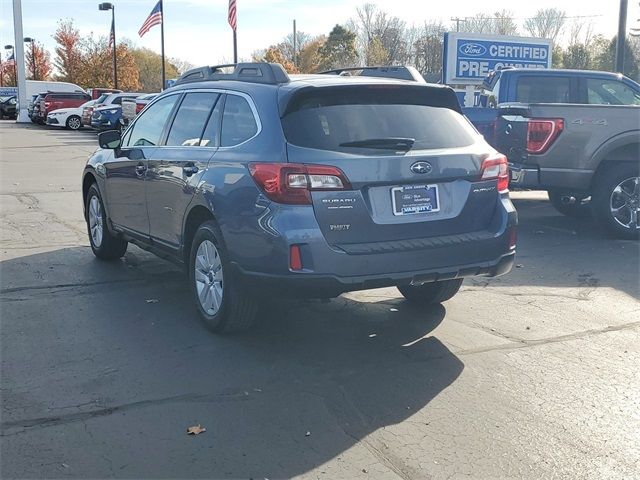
110, 6
33, 55
13, 54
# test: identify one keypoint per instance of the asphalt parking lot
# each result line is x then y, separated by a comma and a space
104, 366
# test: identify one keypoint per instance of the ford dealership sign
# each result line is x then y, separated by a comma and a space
468, 57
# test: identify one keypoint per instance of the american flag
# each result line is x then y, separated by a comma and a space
154, 18
233, 18
112, 36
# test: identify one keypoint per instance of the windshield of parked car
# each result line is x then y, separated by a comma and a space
375, 119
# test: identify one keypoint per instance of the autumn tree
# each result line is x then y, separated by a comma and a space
309, 57
97, 66
149, 65
68, 60
339, 50
286, 45
273, 54
36, 57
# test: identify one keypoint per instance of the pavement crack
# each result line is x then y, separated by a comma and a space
14, 427
544, 341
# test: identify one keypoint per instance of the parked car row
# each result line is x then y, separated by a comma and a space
74, 110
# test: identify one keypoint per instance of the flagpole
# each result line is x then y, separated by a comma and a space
162, 45
235, 47
115, 54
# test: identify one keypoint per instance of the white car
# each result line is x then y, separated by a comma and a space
68, 117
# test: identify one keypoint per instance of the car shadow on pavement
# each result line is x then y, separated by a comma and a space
122, 377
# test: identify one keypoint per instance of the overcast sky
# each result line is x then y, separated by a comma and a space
197, 30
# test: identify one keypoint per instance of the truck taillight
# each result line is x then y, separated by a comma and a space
496, 167
291, 183
541, 133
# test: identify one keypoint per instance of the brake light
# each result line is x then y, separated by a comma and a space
291, 183
496, 167
541, 133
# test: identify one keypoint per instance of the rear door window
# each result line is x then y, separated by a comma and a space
238, 121
357, 119
191, 119
603, 91
543, 89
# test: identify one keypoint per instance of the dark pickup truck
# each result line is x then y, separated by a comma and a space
574, 133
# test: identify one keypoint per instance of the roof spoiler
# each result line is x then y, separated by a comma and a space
254, 72
399, 72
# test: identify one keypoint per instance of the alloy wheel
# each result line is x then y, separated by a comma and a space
74, 123
95, 221
624, 203
209, 277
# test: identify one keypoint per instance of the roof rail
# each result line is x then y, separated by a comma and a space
400, 72
255, 72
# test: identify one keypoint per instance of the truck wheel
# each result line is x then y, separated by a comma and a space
104, 244
223, 304
430, 293
576, 205
616, 200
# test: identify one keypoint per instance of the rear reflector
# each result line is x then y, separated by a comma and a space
295, 259
541, 133
291, 183
497, 167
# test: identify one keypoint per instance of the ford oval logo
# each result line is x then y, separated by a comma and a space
421, 167
472, 49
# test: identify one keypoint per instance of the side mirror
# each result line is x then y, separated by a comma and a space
110, 139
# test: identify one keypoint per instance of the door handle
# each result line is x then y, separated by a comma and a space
140, 169
189, 170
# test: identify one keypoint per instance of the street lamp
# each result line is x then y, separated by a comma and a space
110, 6
31, 40
13, 54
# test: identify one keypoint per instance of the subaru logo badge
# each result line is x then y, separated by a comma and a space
421, 167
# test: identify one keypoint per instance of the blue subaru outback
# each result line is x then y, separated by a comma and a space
262, 183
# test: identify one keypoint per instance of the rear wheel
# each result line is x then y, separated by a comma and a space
430, 293
616, 200
104, 244
73, 122
570, 204
224, 305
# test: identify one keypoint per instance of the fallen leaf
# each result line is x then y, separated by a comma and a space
519, 265
373, 335
152, 300
65, 465
196, 430
308, 434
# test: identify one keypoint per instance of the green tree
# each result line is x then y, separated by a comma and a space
606, 60
149, 65
339, 50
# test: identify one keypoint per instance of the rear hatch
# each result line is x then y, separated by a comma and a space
411, 162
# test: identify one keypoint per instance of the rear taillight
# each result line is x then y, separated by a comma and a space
47, 104
292, 183
541, 133
496, 167
139, 107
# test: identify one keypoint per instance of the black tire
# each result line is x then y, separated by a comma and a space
430, 293
603, 194
238, 307
580, 207
110, 247
74, 122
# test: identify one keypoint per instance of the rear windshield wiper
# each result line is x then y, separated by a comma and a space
392, 143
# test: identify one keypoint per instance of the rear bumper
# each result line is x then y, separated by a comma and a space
535, 177
327, 286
